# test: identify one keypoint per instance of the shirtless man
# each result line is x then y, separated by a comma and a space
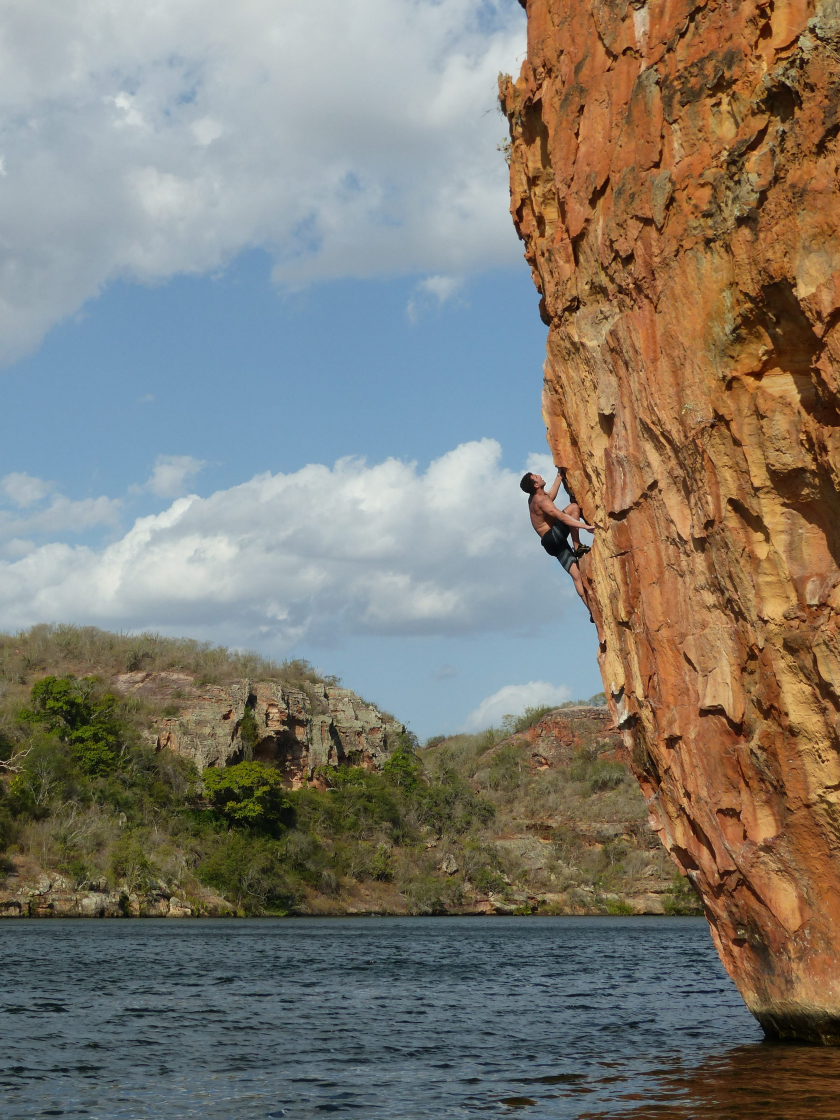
554, 525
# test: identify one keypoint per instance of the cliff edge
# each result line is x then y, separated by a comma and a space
674, 175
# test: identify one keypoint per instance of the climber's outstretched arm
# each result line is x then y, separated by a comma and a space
566, 519
555, 486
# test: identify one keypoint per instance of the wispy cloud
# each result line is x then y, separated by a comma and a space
23, 489
445, 673
171, 474
39, 510
433, 291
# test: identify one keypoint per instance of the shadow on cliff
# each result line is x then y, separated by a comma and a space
770, 1081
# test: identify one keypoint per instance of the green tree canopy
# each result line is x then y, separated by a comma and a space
249, 794
403, 768
70, 708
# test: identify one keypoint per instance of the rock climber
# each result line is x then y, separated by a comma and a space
554, 525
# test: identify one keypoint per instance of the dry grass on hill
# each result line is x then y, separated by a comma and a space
86, 649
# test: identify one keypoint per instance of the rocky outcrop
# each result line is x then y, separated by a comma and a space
560, 734
56, 896
296, 729
674, 174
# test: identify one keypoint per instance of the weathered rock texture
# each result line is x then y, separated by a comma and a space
297, 730
674, 172
558, 736
41, 895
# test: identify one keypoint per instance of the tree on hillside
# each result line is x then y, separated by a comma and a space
248, 794
70, 709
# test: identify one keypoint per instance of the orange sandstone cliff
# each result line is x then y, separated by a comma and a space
674, 175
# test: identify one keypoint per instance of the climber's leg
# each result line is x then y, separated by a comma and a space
580, 587
573, 510
574, 572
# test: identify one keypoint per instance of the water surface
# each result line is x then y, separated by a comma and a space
389, 1018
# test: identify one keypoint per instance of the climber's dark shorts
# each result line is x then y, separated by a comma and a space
556, 544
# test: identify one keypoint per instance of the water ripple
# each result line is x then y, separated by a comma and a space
393, 1019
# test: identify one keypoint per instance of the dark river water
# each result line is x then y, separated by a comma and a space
402, 1018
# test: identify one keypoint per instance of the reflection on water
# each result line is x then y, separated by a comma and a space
768, 1081
388, 1019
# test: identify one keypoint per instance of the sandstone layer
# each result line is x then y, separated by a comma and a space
298, 730
674, 175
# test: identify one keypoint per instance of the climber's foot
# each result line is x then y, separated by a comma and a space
582, 550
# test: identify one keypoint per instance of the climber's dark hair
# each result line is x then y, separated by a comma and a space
527, 483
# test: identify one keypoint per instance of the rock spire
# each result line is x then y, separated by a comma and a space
674, 175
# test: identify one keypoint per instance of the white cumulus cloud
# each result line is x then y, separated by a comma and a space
319, 553
350, 138
513, 699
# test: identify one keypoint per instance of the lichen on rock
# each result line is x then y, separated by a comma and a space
674, 175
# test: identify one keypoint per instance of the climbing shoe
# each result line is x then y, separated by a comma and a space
582, 550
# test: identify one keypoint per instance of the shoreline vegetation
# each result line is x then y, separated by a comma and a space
540, 816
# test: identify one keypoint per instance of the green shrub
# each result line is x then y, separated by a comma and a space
78, 870
249, 794
434, 741
599, 700
356, 803
613, 854
249, 733
382, 864
248, 872
7, 746
618, 907
304, 856
451, 805
606, 775
403, 768
424, 895
506, 769
487, 880
47, 774
71, 709
515, 725
7, 822
130, 863
682, 898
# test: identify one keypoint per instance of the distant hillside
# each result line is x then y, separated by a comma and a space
165, 777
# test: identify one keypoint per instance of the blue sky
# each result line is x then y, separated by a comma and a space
280, 404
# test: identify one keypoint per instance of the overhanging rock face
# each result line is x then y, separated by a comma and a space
674, 174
